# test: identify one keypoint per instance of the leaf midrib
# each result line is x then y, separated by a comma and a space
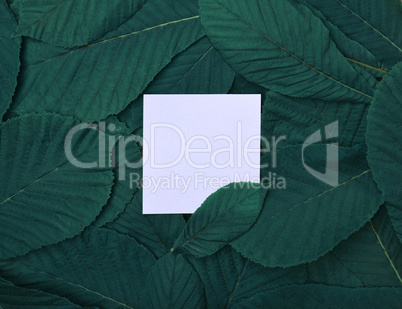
237, 283
31, 184
156, 233
220, 216
370, 25
322, 193
117, 37
193, 66
36, 180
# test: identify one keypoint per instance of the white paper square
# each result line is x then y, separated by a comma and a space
182, 186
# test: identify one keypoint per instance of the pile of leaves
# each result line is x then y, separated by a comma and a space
73, 237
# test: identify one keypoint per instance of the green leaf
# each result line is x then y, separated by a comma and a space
44, 197
374, 24
296, 119
371, 257
102, 78
173, 283
97, 268
321, 296
155, 232
358, 56
243, 86
384, 141
282, 46
199, 69
13, 297
9, 58
229, 278
70, 23
307, 216
225, 215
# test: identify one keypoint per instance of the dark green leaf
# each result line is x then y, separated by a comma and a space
308, 218
44, 198
200, 69
155, 232
173, 283
224, 216
384, 141
282, 46
358, 56
396, 218
98, 268
70, 23
243, 86
102, 78
321, 296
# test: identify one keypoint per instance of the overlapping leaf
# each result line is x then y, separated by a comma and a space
9, 58
229, 278
243, 86
265, 42
44, 198
200, 62
102, 78
133, 115
97, 268
384, 141
316, 65
172, 283
225, 215
155, 232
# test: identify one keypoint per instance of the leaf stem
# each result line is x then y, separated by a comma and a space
366, 65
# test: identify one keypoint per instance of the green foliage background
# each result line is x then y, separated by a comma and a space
77, 238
